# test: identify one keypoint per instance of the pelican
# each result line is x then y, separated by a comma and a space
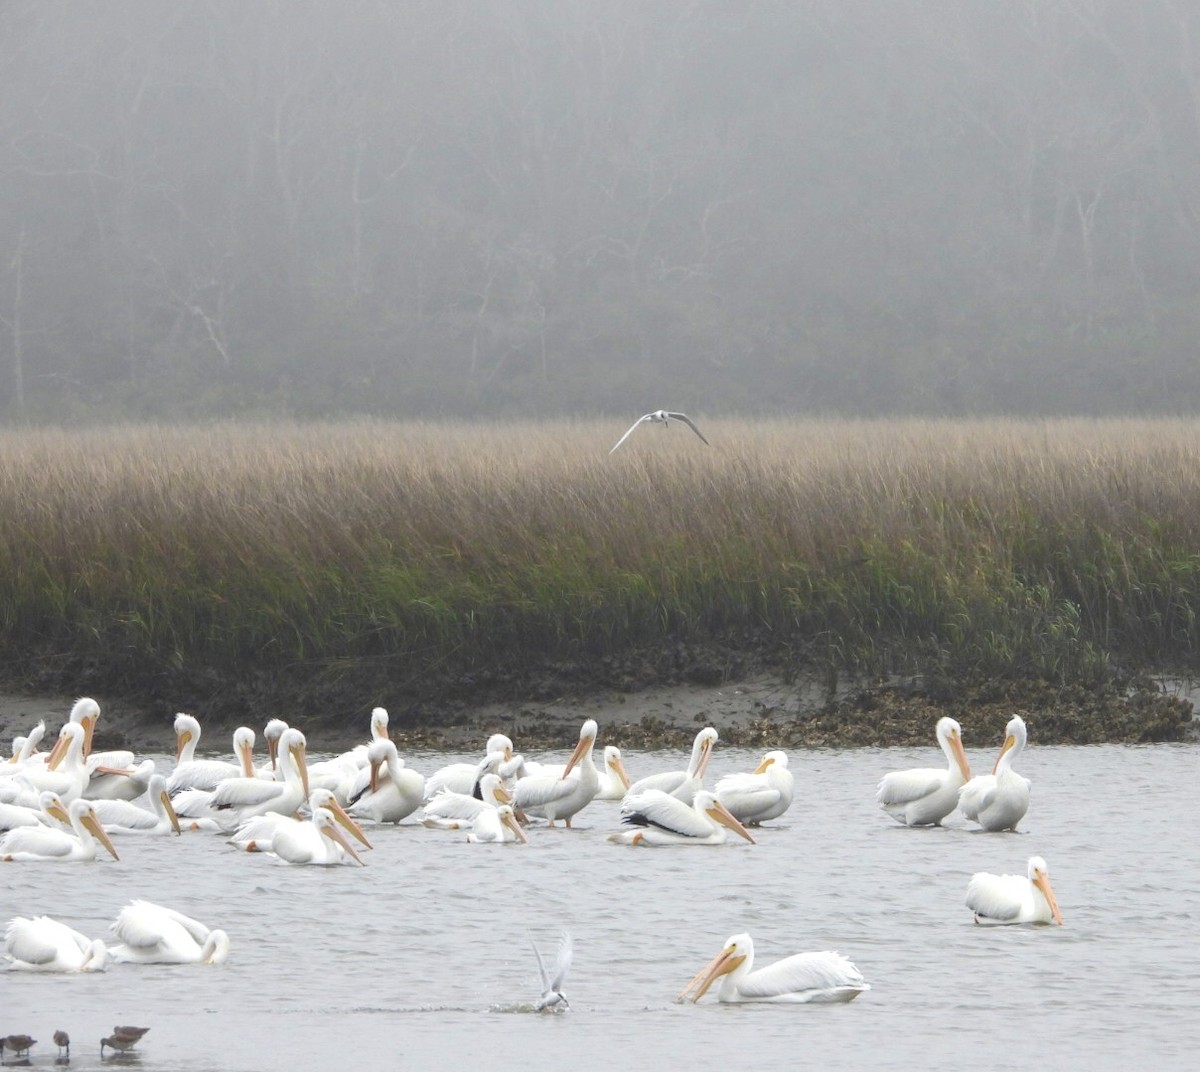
49, 812
150, 934
1025, 898
553, 997
924, 796
825, 977
313, 841
663, 417
124, 817
452, 811
272, 731
43, 944
246, 797
111, 783
30, 843
257, 834
998, 801
496, 826
390, 798
379, 732
683, 784
461, 777
64, 772
765, 793
613, 780
563, 796
24, 748
207, 774
657, 818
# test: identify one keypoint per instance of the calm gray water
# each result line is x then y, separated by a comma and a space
420, 958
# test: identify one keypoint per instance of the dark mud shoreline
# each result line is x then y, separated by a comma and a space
648, 700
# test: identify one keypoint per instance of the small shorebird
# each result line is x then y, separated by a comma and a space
663, 417
19, 1044
63, 1041
123, 1039
552, 987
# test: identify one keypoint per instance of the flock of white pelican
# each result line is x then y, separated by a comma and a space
68, 803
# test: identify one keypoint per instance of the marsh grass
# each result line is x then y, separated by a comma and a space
1059, 549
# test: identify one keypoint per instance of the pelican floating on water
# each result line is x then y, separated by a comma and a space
924, 796
657, 818
998, 801
825, 977
207, 774
614, 782
43, 944
124, 817
27, 844
663, 417
563, 796
314, 841
150, 934
683, 784
387, 791
243, 798
453, 811
495, 826
462, 777
257, 834
1027, 898
765, 793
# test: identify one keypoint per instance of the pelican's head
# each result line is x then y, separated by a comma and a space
272, 731
53, 806
158, 791
1014, 741
87, 713
380, 754
702, 748
775, 758
492, 791
587, 739
326, 822
739, 950
71, 739
1039, 876
243, 748
707, 804
379, 724
83, 814
187, 731
614, 763
509, 818
293, 744
324, 798
949, 735
498, 742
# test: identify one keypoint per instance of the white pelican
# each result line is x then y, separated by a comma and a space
111, 783
257, 834
242, 798
453, 811
663, 417
496, 826
924, 796
29, 843
379, 732
150, 934
24, 748
64, 772
125, 817
552, 985
50, 811
657, 818
43, 944
563, 796
1014, 898
313, 841
461, 777
998, 801
392, 797
765, 793
207, 774
613, 780
272, 731
825, 977
683, 784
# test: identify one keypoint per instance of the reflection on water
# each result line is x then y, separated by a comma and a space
424, 955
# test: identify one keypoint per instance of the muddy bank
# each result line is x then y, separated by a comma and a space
761, 710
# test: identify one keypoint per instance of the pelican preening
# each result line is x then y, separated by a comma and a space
998, 801
765, 793
657, 818
553, 999
663, 417
150, 934
386, 791
682, 784
924, 796
1027, 898
825, 977
462, 777
43, 944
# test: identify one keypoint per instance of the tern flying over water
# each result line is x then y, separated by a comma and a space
663, 417
553, 997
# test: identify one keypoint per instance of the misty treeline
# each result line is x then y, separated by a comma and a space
541, 206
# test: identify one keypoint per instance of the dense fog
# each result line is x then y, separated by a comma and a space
542, 207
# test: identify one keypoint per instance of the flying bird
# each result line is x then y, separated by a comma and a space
553, 997
663, 417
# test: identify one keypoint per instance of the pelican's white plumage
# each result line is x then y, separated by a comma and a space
496, 826
663, 417
1027, 898
125, 817
924, 796
683, 784
148, 933
461, 777
64, 771
24, 748
207, 774
826, 977
454, 811
28, 844
614, 781
563, 796
257, 834
999, 801
242, 798
765, 793
386, 791
43, 944
657, 818
316, 841
113, 783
